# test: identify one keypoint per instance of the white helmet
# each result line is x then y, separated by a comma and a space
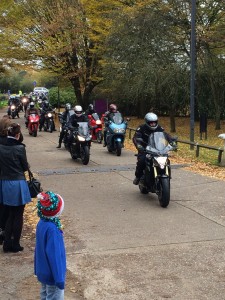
32, 105
78, 110
151, 120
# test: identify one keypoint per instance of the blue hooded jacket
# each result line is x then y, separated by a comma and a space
50, 254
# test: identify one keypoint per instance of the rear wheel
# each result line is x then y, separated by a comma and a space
85, 154
143, 189
164, 192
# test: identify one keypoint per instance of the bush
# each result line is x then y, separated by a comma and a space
66, 95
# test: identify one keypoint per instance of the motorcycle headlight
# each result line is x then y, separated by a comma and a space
24, 100
13, 107
161, 160
122, 130
32, 121
49, 115
116, 130
80, 138
98, 122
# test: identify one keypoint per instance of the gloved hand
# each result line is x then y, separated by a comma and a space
140, 148
174, 145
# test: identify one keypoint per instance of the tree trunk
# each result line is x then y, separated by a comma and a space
217, 118
77, 90
172, 121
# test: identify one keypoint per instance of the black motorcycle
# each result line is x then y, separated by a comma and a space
13, 111
49, 122
81, 142
157, 173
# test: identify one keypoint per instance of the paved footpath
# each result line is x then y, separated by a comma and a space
121, 245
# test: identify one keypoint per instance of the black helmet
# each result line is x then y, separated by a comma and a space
151, 120
46, 103
68, 106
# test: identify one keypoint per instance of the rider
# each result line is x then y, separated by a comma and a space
143, 132
46, 107
90, 110
30, 110
78, 116
107, 117
64, 121
13, 100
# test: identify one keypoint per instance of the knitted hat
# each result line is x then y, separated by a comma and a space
49, 205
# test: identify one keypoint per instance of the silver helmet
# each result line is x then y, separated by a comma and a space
151, 120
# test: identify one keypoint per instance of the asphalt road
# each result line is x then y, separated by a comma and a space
121, 245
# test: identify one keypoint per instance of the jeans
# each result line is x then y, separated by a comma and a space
51, 292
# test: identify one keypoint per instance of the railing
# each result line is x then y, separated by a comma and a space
197, 145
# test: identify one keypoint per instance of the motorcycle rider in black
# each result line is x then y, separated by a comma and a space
143, 132
90, 110
64, 121
16, 101
78, 116
107, 117
46, 107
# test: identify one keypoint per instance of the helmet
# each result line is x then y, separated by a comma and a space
78, 110
151, 120
90, 107
112, 108
32, 105
46, 103
68, 106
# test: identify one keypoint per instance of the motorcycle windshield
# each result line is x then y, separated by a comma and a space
83, 129
95, 116
117, 118
158, 144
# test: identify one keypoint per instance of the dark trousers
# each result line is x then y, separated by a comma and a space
4, 213
14, 224
140, 166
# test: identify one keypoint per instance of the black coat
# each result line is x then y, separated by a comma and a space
13, 160
144, 132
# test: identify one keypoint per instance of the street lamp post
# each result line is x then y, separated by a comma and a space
193, 66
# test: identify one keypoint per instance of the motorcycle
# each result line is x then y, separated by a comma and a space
24, 102
157, 173
96, 127
33, 123
48, 122
115, 136
81, 143
13, 111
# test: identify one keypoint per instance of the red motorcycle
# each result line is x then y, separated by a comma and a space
96, 127
33, 123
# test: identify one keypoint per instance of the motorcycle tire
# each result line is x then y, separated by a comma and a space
35, 132
164, 192
118, 148
99, 137
85, 154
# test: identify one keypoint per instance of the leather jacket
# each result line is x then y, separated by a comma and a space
13, 160
144, 132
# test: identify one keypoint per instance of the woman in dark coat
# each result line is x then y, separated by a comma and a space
4, 124
14, 192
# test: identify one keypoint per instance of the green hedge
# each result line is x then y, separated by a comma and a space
66, 95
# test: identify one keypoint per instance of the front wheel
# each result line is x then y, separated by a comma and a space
164, 191
118, 148
85, 154
99, 136
143, 189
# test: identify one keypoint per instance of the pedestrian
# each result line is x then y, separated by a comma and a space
50, 254
14, 191
4, 213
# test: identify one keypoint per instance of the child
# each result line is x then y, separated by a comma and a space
50, 255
